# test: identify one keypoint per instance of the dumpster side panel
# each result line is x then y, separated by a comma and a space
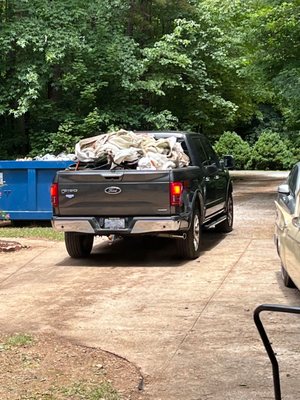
14, 191
25, 188
43, 178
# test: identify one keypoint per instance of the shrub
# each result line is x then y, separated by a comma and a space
271, 152
293, 144
53, 143
232, 144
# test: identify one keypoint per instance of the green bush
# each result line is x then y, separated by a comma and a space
63, 140
232, 144
293, 144
271, 152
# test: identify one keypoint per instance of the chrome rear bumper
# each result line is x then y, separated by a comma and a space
137, 225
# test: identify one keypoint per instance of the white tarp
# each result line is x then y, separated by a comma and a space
126, 146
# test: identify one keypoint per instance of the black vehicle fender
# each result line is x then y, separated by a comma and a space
197, 201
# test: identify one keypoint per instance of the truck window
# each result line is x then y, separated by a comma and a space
211, 155
202, 158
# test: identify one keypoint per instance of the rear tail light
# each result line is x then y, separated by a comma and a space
176, 189
54, 194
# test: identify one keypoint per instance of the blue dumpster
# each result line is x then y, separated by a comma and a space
25, 188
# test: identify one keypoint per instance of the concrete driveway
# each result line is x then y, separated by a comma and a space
187, 325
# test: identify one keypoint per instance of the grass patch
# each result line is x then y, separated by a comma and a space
86, 391
17, 340
77, 391
45, 367
37, 232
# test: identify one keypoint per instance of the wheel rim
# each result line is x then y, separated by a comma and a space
196, 232
230, 212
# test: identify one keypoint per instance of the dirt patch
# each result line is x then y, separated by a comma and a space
45, 367
8, 246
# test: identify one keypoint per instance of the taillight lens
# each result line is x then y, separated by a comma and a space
176, 189
54, 194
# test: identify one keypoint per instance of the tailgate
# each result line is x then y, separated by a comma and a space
114, 193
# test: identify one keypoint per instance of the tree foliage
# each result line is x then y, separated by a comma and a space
277, 54
70, 69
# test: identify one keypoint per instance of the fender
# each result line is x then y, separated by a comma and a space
197, 196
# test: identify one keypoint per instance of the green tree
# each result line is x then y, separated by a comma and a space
70, 69
62, 64
275, 36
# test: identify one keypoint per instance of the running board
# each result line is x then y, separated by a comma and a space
216, 222
172, 236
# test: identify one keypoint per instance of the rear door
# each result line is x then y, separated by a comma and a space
219, 176
292, 242
283, 219
114, 193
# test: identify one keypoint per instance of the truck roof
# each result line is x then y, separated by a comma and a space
178, 134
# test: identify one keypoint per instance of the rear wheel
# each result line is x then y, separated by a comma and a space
286, 278
226, 225
78, 245
189, 248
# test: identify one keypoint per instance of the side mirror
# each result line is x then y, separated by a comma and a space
284, 189
228, 162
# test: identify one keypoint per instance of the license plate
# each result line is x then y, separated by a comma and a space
114, 223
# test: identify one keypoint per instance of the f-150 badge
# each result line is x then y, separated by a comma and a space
112, 190
64, 191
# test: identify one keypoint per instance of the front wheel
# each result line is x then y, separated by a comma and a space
189, 248
287, 281
78, 245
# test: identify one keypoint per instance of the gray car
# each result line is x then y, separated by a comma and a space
287, 228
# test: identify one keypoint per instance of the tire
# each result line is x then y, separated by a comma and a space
78, 245
189, 248
226, 226
287, 281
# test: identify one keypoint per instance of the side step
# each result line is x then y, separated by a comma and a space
216, 222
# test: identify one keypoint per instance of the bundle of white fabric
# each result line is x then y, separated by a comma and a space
126, 146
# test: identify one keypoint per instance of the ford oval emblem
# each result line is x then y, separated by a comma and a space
113, 190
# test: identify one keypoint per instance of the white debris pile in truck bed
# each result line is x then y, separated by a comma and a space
140, 151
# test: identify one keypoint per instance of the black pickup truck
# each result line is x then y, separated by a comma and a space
176, 202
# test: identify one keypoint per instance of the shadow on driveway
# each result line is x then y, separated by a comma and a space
139, 252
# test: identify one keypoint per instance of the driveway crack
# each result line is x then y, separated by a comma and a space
23, 266
167, 363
